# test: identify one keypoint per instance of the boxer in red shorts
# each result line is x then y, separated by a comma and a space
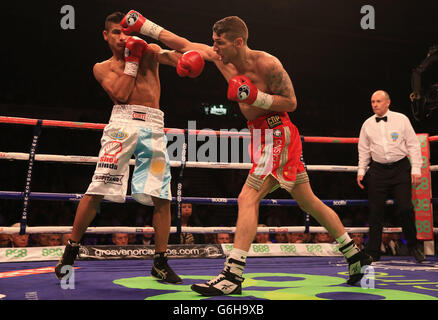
275, 130
264, 91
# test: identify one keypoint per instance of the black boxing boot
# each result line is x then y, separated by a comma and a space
71, 251
417, 251
357, 260
162, 271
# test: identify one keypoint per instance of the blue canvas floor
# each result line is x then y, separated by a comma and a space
285, 278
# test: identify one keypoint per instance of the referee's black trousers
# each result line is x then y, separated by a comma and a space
382, 181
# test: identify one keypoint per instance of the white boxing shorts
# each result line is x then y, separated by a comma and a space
139, 131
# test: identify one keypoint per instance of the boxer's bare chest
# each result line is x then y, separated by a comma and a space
146, 89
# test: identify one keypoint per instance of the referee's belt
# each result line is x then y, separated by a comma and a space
389, 165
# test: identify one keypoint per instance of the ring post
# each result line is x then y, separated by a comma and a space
421, 199
306, 215
180, 184
26, 199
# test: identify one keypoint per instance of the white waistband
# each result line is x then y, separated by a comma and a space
138, 115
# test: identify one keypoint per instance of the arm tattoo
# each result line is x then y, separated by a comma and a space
280, 83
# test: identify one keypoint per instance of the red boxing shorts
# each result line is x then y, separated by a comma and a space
275, 150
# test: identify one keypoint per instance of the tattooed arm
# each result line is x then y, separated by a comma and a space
280, 86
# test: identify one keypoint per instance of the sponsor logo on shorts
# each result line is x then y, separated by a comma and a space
117, 135
274, 121
113, 148
141, 116
108, 178
276, 150
103, 165
108, 162
277, 133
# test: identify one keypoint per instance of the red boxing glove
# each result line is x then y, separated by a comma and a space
133, 21
134, 50
190, 64
241, 89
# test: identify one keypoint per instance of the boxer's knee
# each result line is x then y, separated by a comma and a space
162, 206
92, 200
243, 199
248, 197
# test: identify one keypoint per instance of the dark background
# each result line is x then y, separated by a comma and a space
335, 66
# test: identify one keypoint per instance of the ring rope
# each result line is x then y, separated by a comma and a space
173, 163
100, 126
194, 200
197, 230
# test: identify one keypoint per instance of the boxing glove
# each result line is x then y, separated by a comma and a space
134, 50
241, 89
190, 64
133, 21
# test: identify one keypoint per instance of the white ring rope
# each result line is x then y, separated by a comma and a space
189, 164
199, 230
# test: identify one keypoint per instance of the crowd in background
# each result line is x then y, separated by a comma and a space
393, 244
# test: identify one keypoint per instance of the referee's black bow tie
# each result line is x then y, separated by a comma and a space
385, 118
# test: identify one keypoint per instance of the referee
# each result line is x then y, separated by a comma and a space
385, 142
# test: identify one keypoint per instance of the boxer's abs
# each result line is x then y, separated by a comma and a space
146, 92
147, 89
252, 113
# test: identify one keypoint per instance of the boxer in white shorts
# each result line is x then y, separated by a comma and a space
136, 127
139, 131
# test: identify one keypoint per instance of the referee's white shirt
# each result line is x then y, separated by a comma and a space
388, 142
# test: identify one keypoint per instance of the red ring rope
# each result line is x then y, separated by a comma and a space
100, 126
